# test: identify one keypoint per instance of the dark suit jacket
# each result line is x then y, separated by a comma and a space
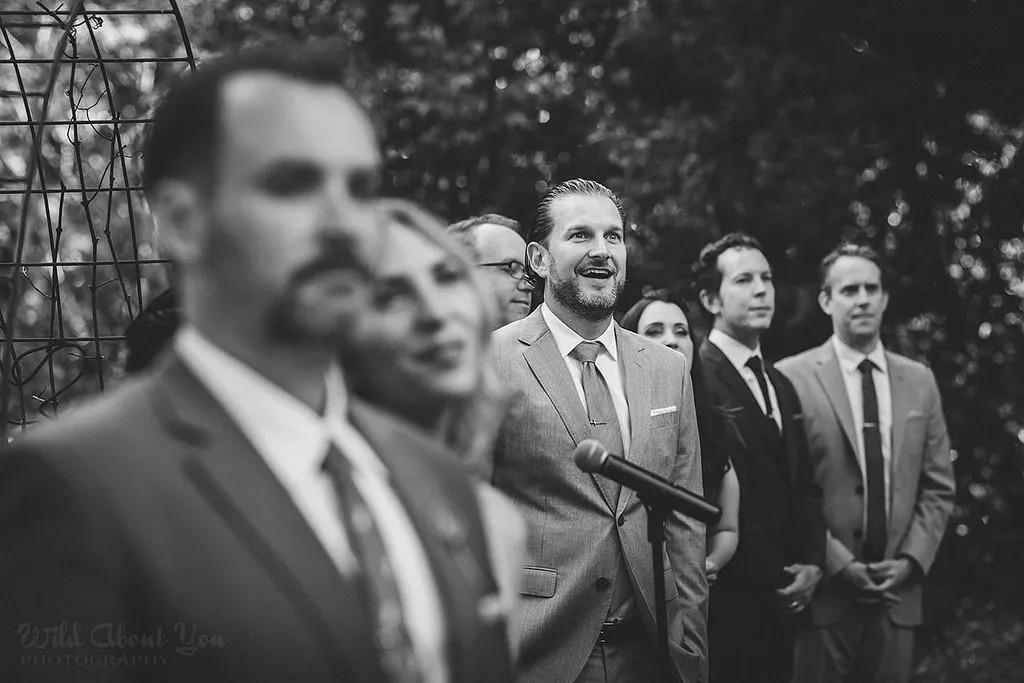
576, 530
780, 504
148, 513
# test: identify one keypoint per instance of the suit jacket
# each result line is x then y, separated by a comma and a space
780, 505
575, 531
922, 484
147, 513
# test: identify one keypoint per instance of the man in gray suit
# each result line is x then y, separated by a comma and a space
588, 606
881, 456
235, 515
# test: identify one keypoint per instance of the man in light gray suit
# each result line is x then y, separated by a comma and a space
881, 456
588, 605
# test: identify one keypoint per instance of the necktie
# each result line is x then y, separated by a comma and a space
604, 423
874, 465
757, 365
600, 408
377, 577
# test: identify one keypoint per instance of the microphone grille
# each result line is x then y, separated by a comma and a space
590, 455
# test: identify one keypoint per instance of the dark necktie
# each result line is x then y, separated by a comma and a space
376, 576
756, 364
874, 466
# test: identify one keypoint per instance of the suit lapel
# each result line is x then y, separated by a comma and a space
787, 411
549, 368
830, 376
901, 399
440, 524
637, 376
730, 377
240, 487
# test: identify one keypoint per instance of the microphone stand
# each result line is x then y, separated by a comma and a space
656, 516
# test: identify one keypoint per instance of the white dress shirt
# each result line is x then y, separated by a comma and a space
849, 360
607, 362
293, 440
738, 354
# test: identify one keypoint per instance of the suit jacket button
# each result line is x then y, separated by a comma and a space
859, 490
602, 584
622, 519
858, 534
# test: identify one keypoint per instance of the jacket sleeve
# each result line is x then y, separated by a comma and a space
936, 486
685, 540
808, 513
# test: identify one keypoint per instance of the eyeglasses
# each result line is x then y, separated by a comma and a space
514, 269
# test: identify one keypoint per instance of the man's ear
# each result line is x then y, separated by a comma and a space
537, 256
825, 300
711, 302
180, 217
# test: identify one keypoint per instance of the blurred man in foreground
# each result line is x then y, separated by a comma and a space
235, 515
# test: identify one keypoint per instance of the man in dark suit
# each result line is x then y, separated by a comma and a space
588, 605
760, 597
881, 454
234, 515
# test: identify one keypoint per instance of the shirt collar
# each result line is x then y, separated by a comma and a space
850, 358
276, 423
737, 352
566, 338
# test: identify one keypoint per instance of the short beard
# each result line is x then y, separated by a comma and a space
295, 321
589, 307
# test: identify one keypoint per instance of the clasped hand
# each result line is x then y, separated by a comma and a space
874, 582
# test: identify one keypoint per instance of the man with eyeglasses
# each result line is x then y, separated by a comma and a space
499, 250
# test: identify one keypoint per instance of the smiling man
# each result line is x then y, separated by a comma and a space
574, 375
881, 454
761, 596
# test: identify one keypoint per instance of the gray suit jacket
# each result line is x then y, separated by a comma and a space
922, 483
148, 510
574, 532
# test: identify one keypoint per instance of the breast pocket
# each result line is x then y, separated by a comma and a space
539, 582
668, 419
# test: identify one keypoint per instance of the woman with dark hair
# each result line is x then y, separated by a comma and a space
657, 317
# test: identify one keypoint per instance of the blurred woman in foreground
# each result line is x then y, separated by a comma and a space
420, 353
659, 318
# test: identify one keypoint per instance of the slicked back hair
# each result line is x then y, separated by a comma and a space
183, 140
543, 222
854, 250
708, 275
465, 230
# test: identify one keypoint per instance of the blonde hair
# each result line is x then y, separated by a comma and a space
469, 425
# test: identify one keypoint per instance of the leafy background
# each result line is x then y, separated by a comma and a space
895, 123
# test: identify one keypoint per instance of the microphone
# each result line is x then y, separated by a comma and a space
653, 490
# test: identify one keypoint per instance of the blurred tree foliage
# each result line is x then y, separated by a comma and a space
893, 123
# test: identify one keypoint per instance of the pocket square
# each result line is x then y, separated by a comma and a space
662, 411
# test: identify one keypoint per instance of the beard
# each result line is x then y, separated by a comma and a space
303, 315
589, 306
322, 301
